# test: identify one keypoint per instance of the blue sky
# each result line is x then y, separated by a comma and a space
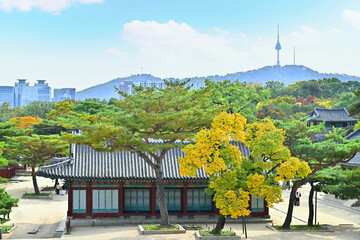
81, 43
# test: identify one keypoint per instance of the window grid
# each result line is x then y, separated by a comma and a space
198, 200
137, 200
172, 198
105, 201
257, 204
79, 201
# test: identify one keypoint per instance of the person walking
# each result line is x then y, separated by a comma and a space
57, 189
63, 189
297, 199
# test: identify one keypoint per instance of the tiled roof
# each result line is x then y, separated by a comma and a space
90, 164
331, 115
354, 135
355, 161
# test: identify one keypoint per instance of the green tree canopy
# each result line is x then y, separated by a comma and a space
6, 202
8, 129
319, 155
35, 150
238, 97
37, 109
354, 109
344, 184
47, 127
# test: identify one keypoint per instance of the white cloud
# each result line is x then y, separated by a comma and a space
221, 31
334, 31
181, 48
43, 5
57, 14
305, 36
352, 17
115, 52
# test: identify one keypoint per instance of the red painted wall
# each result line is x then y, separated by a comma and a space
152, 205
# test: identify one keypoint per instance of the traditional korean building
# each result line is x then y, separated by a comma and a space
336, 117
103, 184
355, 161
9, 171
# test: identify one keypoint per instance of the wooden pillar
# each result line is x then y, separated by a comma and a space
153, 200
266, 208
121, 200
184, 200
249, 207
88, 199
70, 199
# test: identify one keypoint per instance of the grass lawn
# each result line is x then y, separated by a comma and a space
6, 228
222, 233
35, 195
301, 227
47, 188
156, 227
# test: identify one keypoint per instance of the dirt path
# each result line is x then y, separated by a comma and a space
34, 212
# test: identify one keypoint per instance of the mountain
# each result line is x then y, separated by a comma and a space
287, 74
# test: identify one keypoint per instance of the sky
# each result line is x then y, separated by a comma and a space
82, 43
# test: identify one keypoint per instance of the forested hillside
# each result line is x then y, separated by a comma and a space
287, 74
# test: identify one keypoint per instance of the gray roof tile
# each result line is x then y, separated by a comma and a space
355, 161
90, 164
354, 135
331, 115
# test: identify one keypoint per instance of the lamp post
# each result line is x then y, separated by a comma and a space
315, 206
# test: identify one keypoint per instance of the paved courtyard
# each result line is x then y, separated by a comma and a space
48, 214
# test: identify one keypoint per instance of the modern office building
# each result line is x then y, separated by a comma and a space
7, 95
43, 91
61, 94
25, 94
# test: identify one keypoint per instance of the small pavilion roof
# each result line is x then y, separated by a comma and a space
89, 164
331, 115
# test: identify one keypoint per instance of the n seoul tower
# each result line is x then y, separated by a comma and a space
278, 47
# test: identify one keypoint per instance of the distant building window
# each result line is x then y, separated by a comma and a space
105, 201
79, 201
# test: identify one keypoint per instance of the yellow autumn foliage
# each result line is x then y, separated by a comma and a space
233, 202
213, 149
230, 183
25, 122
292, 167
266, 140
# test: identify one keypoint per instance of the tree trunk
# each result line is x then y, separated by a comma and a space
56, 182
219, 225
311, 206
161, 198
33, 174
294, 188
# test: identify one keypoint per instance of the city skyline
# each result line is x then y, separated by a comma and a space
83, 43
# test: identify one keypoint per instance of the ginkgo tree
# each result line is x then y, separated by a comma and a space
233, 177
